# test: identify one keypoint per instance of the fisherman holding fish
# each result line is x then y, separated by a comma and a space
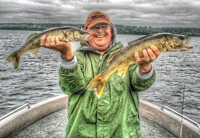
102, 78
114, 113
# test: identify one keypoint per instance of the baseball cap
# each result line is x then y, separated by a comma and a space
96, 17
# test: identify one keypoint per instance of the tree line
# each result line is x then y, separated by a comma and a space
121, 29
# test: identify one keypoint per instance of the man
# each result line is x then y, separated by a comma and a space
115, 114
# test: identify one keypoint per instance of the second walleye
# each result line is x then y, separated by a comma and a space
65, 33
121, 59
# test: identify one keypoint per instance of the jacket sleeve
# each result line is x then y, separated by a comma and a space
138, 83
72, 80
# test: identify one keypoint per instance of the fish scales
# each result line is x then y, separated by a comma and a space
123, 58
64, 33
126, 56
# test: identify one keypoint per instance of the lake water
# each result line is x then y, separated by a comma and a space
37, 77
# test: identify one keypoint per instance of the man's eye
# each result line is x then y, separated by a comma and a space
96, 27
104, 26
100, 26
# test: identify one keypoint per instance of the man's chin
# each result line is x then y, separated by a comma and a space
101, 44
102, 48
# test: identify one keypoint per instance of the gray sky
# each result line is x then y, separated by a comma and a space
156, 13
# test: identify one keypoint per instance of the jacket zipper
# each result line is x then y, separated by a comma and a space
99, 69
100, 63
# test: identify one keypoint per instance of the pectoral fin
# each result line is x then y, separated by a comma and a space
122, 71
169, 48
34, 51
70, 36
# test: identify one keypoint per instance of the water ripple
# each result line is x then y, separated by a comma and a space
37, 77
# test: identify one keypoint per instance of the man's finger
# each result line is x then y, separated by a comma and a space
151, 54
57, 40
42, 40
52, 41
146, 56
155, 50
137, 58
47, 41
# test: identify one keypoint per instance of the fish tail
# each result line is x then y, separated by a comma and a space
97, 84
14, 58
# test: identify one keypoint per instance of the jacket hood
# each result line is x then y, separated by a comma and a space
85, 46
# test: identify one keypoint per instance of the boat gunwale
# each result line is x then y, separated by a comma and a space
168, 120
14, 123
11, 125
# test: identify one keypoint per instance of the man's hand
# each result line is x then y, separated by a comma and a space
149, 55
52, 42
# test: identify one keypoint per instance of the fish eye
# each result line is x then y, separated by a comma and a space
82, 32
182, 37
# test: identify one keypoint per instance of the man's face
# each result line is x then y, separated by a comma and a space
101, 36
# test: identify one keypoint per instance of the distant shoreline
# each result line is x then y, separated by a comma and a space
121, 29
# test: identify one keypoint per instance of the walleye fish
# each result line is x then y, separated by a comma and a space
65, 33
121, 59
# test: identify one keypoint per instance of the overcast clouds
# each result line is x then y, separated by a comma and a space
159, 13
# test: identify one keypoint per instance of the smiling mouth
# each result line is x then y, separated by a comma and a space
99, 36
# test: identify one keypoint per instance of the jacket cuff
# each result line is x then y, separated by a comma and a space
145, 76
68, 64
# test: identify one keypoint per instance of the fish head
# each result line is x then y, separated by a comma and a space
74, 34
175, 42
82, 35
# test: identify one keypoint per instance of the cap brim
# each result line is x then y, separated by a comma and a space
97, 22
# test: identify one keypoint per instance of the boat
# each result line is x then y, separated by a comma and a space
49, 119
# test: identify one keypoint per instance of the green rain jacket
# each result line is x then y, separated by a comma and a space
115, 114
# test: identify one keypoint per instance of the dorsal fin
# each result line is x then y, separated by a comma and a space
31, 36
139, 39
112, 55
46, 29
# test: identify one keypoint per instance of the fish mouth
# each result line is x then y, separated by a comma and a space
86, 38
185, 46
